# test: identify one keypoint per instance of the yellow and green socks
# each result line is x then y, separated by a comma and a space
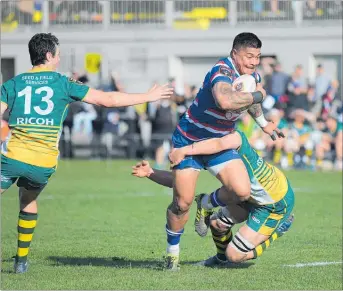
26, 226
258, 251
221, 240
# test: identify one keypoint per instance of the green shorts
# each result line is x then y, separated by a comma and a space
264, 219
30, 177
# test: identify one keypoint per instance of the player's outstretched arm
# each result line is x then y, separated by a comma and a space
228, 99
270, 128
206, 147
119, 99
143, 169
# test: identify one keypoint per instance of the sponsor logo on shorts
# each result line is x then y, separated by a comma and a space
256, 220
259, 162
5, 179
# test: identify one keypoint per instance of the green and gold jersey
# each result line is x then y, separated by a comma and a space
268, 184
38, 102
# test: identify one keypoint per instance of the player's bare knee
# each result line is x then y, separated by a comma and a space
238, 248
180, 206
243, 191
233, 255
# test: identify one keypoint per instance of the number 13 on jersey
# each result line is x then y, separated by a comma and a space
46, 94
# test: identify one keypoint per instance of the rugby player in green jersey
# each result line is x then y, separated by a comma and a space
38, 103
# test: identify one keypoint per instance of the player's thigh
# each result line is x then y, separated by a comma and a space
265, 219
33, 182
184, 186
233, 174
28, 197
189, 162
10, 172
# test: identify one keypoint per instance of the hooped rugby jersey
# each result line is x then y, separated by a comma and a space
204, 119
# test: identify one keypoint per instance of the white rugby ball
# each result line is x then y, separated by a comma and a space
244, 83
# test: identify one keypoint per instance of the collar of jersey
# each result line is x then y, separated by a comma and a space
37, 70
233, 65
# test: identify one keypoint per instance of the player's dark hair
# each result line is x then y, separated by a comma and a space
41, 44
245, 40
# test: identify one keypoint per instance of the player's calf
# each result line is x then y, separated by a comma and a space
221, 234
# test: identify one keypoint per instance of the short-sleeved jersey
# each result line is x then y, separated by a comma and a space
204, 119
268, 184
37, 102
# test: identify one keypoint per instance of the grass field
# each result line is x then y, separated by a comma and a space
101, 228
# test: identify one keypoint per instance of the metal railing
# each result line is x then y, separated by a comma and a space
264, 10
178, 14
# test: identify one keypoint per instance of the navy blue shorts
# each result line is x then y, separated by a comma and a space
213, 163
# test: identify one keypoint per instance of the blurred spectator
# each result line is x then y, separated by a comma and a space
114, 84
297, 91
97, 129
277, 147
266, 70
331, 141
178, 97
274, 6
163, 125
321, 86
328, 99
257, 6
83, 119
299, 145
66, 138
278, 82
311, 8
110, 129
144, 125
186, 101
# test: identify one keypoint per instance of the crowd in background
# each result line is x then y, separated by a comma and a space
309, 114
30, 12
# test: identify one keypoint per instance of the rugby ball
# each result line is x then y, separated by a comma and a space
244, 83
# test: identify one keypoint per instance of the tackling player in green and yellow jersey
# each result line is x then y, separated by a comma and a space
267, 210
38, 103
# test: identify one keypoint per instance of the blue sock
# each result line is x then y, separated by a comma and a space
173, 238
215, 200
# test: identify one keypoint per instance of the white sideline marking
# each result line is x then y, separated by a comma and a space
314, 264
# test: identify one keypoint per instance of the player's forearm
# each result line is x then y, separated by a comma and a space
164, 178
228, 99
205, 147
256, 112
119, 99
236, 100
